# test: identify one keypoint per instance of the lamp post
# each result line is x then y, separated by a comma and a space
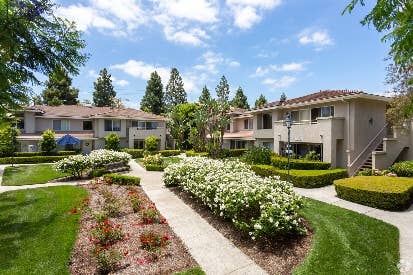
288, 123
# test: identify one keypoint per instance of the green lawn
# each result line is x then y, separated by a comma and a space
348, 243
192, 271
30, 174
37, 232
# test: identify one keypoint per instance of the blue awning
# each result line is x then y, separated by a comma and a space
68, 140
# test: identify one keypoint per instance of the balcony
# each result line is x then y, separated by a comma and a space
328, 128
264, 133
142, 132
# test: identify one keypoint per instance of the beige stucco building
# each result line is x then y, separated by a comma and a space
90, 125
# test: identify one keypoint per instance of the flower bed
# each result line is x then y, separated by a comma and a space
302, 178
391, 193
121, 179
138, 240
260, 206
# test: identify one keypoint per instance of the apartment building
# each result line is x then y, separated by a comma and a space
90, 125
346, 128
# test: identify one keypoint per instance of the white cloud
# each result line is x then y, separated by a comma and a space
192, 36
211, 61
247, 13
260, 71
287, 67
319, 38
197, 10
120, 82
283, 82
234, 64
140, 69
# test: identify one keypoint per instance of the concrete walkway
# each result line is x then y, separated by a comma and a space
214, 253
402, 220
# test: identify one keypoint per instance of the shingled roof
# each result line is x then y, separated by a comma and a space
91, 112
321, 95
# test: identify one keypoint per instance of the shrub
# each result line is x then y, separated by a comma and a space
258, 155
99, 158
403, 169
298, 164
312, 156
302, 178
154, 167
152, 241
74, 165
365, 172
8, 145
196, 154
97, 172
112, 142
390, 193
259, 206
47, 143
121, 179
107, 259
112, 208
135, 200
105, 233
29, 160
231, 153
33, 154
169, 153
151, 143
135, 153
151, 215
153, 159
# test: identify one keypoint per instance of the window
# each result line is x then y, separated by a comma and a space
228, 128
145, 125
20, 124
112, 125
237, 144
87, 125
248, 124
327, 111
267, 121
268, 145
139, 144
61, 125
295, 116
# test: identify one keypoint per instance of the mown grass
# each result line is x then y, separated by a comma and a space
30, 174
346, 242
37, 232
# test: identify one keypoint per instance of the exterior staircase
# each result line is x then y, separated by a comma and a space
368, 164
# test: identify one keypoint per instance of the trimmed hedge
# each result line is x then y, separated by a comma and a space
231, 153
97, 172
34, 154
402, 169
302, 178
121, 179
196, 154
154, 167
390, 193
28, 160
169, 153
299, 164
135, 153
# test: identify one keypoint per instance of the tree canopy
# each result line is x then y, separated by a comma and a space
222, 90
33, 41
261, 100
175, 93
182, 120
240, 100
283, 97
205, 96
104, 93
153, 100
58, 89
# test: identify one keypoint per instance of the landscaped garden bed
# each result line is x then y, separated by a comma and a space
122, 230
385, 192
157, 162
302, 178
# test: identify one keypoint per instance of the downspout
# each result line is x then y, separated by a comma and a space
348, 133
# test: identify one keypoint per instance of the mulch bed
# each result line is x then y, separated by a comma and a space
274, 256
136, 260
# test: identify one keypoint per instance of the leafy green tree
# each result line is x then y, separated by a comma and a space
8, 141
222, 90
394, 18
151, 143
261, 100
112, 142
283, 97
33, 41
181, 121
198, 134
58, 89
205, 96
104, 91
37, 100
47, 143
153, 100
175, 93
240, 100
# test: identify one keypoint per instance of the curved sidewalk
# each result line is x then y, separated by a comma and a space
214, 253
402, 220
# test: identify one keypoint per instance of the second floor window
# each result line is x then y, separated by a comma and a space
61, 125
145, 125
87, 125
248, 124
112, 125
326, 111
266, 121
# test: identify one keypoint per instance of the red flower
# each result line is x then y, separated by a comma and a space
163, 220
73, 211
106, 222
126, 252
97, 250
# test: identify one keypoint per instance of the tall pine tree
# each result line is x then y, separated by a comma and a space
240, 100
104, 92
261, 100
58, 89
222, 90
283, 97
153, 100
175, 93
205, 96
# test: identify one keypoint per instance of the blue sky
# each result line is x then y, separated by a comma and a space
264, 46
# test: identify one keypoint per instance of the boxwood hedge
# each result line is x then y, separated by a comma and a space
121, 179
154, 167
196, 154
299, 164
302, 178
27, 160
390, 193
135, 153
33, 154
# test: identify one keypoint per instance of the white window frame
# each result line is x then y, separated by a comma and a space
63, 122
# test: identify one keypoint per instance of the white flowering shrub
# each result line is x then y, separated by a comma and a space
98, 158
74, 165
260, 206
